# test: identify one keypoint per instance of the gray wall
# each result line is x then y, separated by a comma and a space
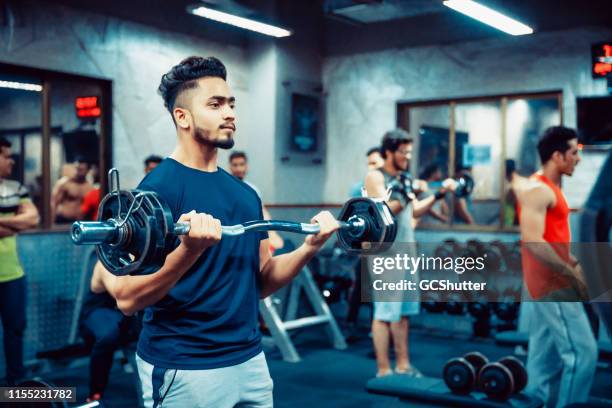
363, 89
134, 57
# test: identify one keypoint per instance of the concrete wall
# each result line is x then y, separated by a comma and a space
134, 57
363, 89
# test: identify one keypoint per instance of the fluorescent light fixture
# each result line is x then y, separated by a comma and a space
489, 16
241, 22
21, 86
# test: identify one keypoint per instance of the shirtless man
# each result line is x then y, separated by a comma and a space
68, 195
562, 349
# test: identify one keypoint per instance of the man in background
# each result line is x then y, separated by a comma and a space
17, 213
151, 162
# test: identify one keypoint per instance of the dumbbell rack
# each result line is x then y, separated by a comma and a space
279, 328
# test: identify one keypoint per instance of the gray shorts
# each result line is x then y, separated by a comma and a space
245, 385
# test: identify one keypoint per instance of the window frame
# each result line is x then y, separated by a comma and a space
46, 78
403, 121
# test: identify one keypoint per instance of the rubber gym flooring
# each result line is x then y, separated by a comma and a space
331, 378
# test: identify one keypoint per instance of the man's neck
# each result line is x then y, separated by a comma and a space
195, 155
390, 168
550, 172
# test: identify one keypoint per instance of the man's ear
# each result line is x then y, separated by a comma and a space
557, 156
182, 117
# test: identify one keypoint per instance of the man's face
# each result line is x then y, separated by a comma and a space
402, 156
567, 161
150, 166
239, 167
81, 169
211, 107
6, 162
375, 161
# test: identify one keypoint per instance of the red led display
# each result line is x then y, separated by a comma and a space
87, 107
602, 59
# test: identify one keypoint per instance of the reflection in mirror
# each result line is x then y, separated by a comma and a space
75, 111
429, 126
20, 131
526, 121
478, 154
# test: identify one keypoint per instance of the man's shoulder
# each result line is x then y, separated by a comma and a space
535, 193
13, 187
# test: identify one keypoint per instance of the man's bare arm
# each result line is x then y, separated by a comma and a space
135, 292
375, 188
534, 204
6, 232
27, 217
278, 271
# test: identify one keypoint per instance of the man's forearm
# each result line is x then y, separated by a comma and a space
6, 232
548, 256
420, 207
135, 292
19, 222
279, 270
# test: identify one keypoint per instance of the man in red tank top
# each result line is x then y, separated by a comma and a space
560, 337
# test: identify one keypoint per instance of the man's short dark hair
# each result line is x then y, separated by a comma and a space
555, 139
371, 150
153, 159
184, 76
238, 155
4, 142
392, 140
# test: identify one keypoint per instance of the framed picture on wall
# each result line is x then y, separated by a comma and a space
304, 123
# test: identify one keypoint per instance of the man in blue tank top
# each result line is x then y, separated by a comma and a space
200, 344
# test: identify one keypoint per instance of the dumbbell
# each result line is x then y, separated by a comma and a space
455, 304
503, 378
461, 374
432, 302
448, 249
507, 306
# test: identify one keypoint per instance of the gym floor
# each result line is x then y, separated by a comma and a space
332, 378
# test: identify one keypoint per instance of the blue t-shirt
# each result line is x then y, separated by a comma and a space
209, 319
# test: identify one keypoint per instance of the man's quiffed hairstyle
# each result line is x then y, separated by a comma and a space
392, 140
185, 75
555, 139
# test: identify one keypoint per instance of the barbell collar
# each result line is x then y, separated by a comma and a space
94, 232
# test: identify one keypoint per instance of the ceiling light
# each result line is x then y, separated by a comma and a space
21, 86
241, 22
489, 16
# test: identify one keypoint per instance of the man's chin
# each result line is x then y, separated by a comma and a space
225, 144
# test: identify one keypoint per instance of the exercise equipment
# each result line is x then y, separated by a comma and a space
433, 391
461, 374
135, 230
407, 186
501, 379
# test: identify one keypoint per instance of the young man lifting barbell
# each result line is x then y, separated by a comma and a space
200, 344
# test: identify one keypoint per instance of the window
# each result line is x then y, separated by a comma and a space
485, 138
59, 128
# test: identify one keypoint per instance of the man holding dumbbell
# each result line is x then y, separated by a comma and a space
391, 318
560, 336
200, 344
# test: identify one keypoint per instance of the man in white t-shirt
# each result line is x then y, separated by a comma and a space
239, 167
